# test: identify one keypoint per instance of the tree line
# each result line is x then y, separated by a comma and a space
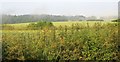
11, 19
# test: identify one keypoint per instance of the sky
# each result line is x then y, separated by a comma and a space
60, 7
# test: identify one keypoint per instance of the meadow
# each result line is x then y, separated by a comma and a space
64, 41
23, 26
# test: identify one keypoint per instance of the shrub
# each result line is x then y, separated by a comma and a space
118, 20
40, 25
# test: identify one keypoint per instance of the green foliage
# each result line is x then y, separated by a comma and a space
11, 19
118, 20
95, 20
6, 27
114, 20
98, 42
40, 25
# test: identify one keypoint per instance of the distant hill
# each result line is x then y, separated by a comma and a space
11, 19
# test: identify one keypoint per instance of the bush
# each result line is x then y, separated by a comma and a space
118, 20
40, 25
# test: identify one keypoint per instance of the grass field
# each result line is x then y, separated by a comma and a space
57, 24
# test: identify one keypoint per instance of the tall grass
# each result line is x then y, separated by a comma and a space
78, 42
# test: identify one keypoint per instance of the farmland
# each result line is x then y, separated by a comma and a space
64, 41
57, 24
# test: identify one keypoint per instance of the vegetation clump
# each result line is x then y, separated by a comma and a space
117, 20
99, 42
40, 25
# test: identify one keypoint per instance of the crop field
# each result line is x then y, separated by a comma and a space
64, 41
57, 24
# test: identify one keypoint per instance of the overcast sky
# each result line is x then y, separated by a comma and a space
61, 7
